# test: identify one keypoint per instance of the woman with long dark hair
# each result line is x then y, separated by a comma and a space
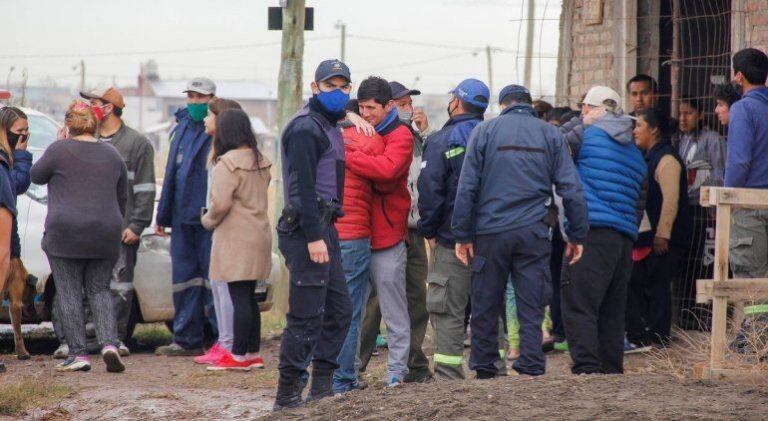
242, 237
222, 302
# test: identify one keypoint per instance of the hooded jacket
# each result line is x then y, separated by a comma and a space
703, 153
613, 171
747, 161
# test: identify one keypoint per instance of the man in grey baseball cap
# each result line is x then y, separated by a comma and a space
183, 196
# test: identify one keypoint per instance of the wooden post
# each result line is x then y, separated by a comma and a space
528, 44
675, 74
720, 303
289, 85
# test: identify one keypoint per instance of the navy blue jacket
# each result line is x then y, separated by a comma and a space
193, 169
20, 181
439, 179
506, 182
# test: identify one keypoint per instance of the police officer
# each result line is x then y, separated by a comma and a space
313, 174
502, 224
450, 280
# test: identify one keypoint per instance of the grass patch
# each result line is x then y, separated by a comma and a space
19, 396
153, 335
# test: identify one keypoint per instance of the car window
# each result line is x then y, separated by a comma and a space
42, 131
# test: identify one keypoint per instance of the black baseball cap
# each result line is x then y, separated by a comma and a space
331, 68
399, 90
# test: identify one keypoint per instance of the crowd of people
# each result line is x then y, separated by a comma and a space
541, 228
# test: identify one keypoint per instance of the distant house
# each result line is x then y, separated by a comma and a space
685, 44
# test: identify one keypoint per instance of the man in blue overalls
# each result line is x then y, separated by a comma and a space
183, 196
313, 175
502, 225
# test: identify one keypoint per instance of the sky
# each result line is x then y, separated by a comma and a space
426, 44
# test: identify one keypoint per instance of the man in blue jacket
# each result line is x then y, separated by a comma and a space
183, 197
747, 167
594, 290
449, 280
501, 223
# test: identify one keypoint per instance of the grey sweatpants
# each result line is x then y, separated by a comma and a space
225, 313
72, 278
388, 277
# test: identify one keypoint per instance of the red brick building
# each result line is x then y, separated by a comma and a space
685, 44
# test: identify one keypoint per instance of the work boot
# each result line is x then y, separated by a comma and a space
322, 385
288, 393
485, 375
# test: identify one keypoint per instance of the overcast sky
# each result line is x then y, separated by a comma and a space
49, 37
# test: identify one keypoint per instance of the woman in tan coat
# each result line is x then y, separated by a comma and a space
242, 237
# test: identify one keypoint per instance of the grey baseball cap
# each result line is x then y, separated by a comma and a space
201, 85
332, 68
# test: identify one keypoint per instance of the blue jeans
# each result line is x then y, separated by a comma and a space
356, 259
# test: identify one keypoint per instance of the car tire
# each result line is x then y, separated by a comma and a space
208, 335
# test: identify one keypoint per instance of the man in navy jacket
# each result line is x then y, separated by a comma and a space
502, 224
184, 194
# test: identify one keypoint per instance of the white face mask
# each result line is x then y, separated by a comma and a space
405, 115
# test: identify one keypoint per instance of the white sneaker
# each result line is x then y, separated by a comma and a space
123, 350
62, 352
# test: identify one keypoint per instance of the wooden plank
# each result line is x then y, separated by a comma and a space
720, 304
737, 198
744, 373
733, 289
704, 196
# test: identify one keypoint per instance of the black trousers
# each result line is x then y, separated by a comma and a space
523, 253
555, 267
320, 308
594, 297
649, 301
247, 317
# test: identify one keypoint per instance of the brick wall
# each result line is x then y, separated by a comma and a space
756, 22
592, 52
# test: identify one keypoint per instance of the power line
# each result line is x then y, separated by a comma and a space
154, 52
414, 63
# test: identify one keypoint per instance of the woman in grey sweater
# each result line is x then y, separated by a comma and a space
87, 193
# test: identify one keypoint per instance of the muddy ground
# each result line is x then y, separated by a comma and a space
176, 389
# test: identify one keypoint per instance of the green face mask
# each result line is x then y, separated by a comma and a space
197, 111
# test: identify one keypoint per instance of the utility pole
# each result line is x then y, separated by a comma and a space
289, 83
8, 78
81, 65
141, 97
488, 57
24, 77
343, 26
529, 45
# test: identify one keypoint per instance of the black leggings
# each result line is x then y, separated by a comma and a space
247, 321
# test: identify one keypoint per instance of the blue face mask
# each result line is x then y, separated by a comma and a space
333, 101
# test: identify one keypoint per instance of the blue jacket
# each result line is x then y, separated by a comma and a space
441, 166
746, 164
612, 170
190, 136
506, 182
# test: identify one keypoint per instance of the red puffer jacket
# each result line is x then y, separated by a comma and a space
358, 191
389, 173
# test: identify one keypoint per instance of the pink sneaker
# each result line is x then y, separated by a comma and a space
257, 362
213, 356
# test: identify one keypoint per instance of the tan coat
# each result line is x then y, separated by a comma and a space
242, 236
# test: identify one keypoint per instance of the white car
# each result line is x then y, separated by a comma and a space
152, 278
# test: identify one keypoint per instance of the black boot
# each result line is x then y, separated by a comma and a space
288, 393
322, 385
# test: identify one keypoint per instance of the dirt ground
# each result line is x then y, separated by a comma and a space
174, 388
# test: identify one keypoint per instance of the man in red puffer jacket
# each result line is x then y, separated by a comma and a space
389, 217
355, 241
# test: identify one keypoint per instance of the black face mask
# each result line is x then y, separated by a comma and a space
449, 109
13, 138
